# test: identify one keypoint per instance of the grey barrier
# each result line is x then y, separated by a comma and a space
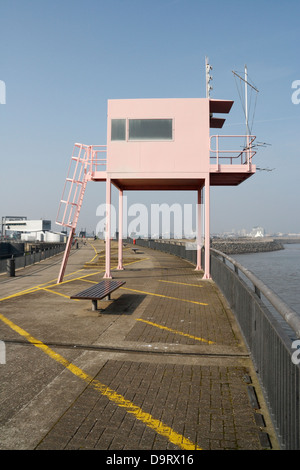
31, 258
271, 330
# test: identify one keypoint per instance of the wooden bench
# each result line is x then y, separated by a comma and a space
134, 250
99, 291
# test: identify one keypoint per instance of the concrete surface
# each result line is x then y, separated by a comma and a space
162, 366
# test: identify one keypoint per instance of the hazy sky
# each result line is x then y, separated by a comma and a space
62, 60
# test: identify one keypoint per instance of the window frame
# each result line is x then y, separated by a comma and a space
148, 138
125, 130
141, 139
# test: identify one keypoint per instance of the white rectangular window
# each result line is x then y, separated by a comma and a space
118, 129
150, 129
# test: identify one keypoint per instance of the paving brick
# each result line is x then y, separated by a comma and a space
162, 369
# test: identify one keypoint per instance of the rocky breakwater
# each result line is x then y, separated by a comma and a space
246, 245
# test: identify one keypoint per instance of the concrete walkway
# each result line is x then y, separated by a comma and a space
162, 366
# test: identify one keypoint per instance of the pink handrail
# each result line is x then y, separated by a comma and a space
85, 160
247, 151
98, 151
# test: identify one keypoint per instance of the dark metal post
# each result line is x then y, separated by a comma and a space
11, 267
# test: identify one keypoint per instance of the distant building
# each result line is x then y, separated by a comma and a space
30, 230
257, 232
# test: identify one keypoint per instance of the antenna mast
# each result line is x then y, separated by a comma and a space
208, 68
246, 95
246, 100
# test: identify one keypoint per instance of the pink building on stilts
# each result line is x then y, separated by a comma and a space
158, 144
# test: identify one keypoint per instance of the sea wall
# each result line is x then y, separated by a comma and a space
243, 245
12, 248
8, 249
230, 246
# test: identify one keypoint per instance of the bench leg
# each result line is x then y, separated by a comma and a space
107, 297
94, 305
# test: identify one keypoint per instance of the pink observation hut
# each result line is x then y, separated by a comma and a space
157, 144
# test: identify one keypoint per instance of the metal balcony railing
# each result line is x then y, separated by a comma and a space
220, 155
98, 158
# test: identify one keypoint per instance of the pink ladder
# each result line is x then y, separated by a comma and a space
79, 174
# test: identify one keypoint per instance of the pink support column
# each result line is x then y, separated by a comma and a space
199, 230
120, 251
207, 229
108, 223
66, 256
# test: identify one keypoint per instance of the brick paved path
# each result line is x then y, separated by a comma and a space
162, 367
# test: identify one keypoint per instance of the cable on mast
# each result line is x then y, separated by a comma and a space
244, 102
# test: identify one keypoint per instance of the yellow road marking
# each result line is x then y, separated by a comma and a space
162, 327
39, 286
18, 294
58, 293
158, 426
164, 296
46, 284
182, 283
93, 249
136, 261
82, 278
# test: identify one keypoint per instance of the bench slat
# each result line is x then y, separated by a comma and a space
99, 291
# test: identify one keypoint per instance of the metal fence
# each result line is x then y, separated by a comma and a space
270, 328
31, 258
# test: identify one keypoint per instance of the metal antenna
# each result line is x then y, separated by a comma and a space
208, 68
246, 101
246, 95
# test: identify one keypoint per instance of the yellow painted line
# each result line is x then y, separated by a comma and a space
24, 292
40, 286
182, 283
93, 248
47, 285
136, 261
58, 293
158, 426
82, 269
162, 327
76, 279
82, 278
163, 296
102, 256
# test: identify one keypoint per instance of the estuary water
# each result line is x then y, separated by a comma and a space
279, 270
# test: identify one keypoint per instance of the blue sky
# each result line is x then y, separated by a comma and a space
62, 60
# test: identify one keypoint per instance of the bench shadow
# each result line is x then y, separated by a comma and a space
126, 304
